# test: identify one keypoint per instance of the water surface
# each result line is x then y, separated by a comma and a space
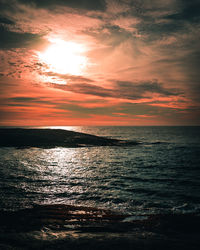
160, 175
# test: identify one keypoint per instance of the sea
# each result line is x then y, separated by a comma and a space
159, 175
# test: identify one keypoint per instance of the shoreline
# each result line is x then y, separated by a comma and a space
49, 138
75, 227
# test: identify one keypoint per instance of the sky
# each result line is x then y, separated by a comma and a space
102, 62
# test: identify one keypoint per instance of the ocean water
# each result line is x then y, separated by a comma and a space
159, 175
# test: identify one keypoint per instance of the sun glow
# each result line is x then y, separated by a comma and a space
64, 57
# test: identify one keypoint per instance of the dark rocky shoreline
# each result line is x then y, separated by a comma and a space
49, 138
74, 227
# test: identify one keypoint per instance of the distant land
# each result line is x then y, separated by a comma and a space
48, 138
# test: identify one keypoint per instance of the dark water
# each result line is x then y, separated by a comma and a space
160, 175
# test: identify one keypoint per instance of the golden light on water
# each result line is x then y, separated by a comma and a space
64, 57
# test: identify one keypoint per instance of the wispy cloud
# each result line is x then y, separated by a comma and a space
120, 89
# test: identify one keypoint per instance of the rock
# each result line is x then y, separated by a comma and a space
48, 138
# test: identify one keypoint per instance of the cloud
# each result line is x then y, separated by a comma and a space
131, 41
190, 12
23, 99
4, 20
155, 19
28, 100
85, 88
10, 39
130, 89
127, 23
72, 78
120, 90
79, 4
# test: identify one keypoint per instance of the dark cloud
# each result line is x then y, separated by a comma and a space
190, 64
7, 5
10, 39
190, 11
129, 88
24, 101
122, 89
158, 22
86, 88
109, 34
72, 78
159, 30
4, 20
79, 4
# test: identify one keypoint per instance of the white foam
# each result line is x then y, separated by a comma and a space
135, 217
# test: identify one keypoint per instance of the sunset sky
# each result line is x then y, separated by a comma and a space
99, 62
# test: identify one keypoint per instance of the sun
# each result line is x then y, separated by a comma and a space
64, 57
